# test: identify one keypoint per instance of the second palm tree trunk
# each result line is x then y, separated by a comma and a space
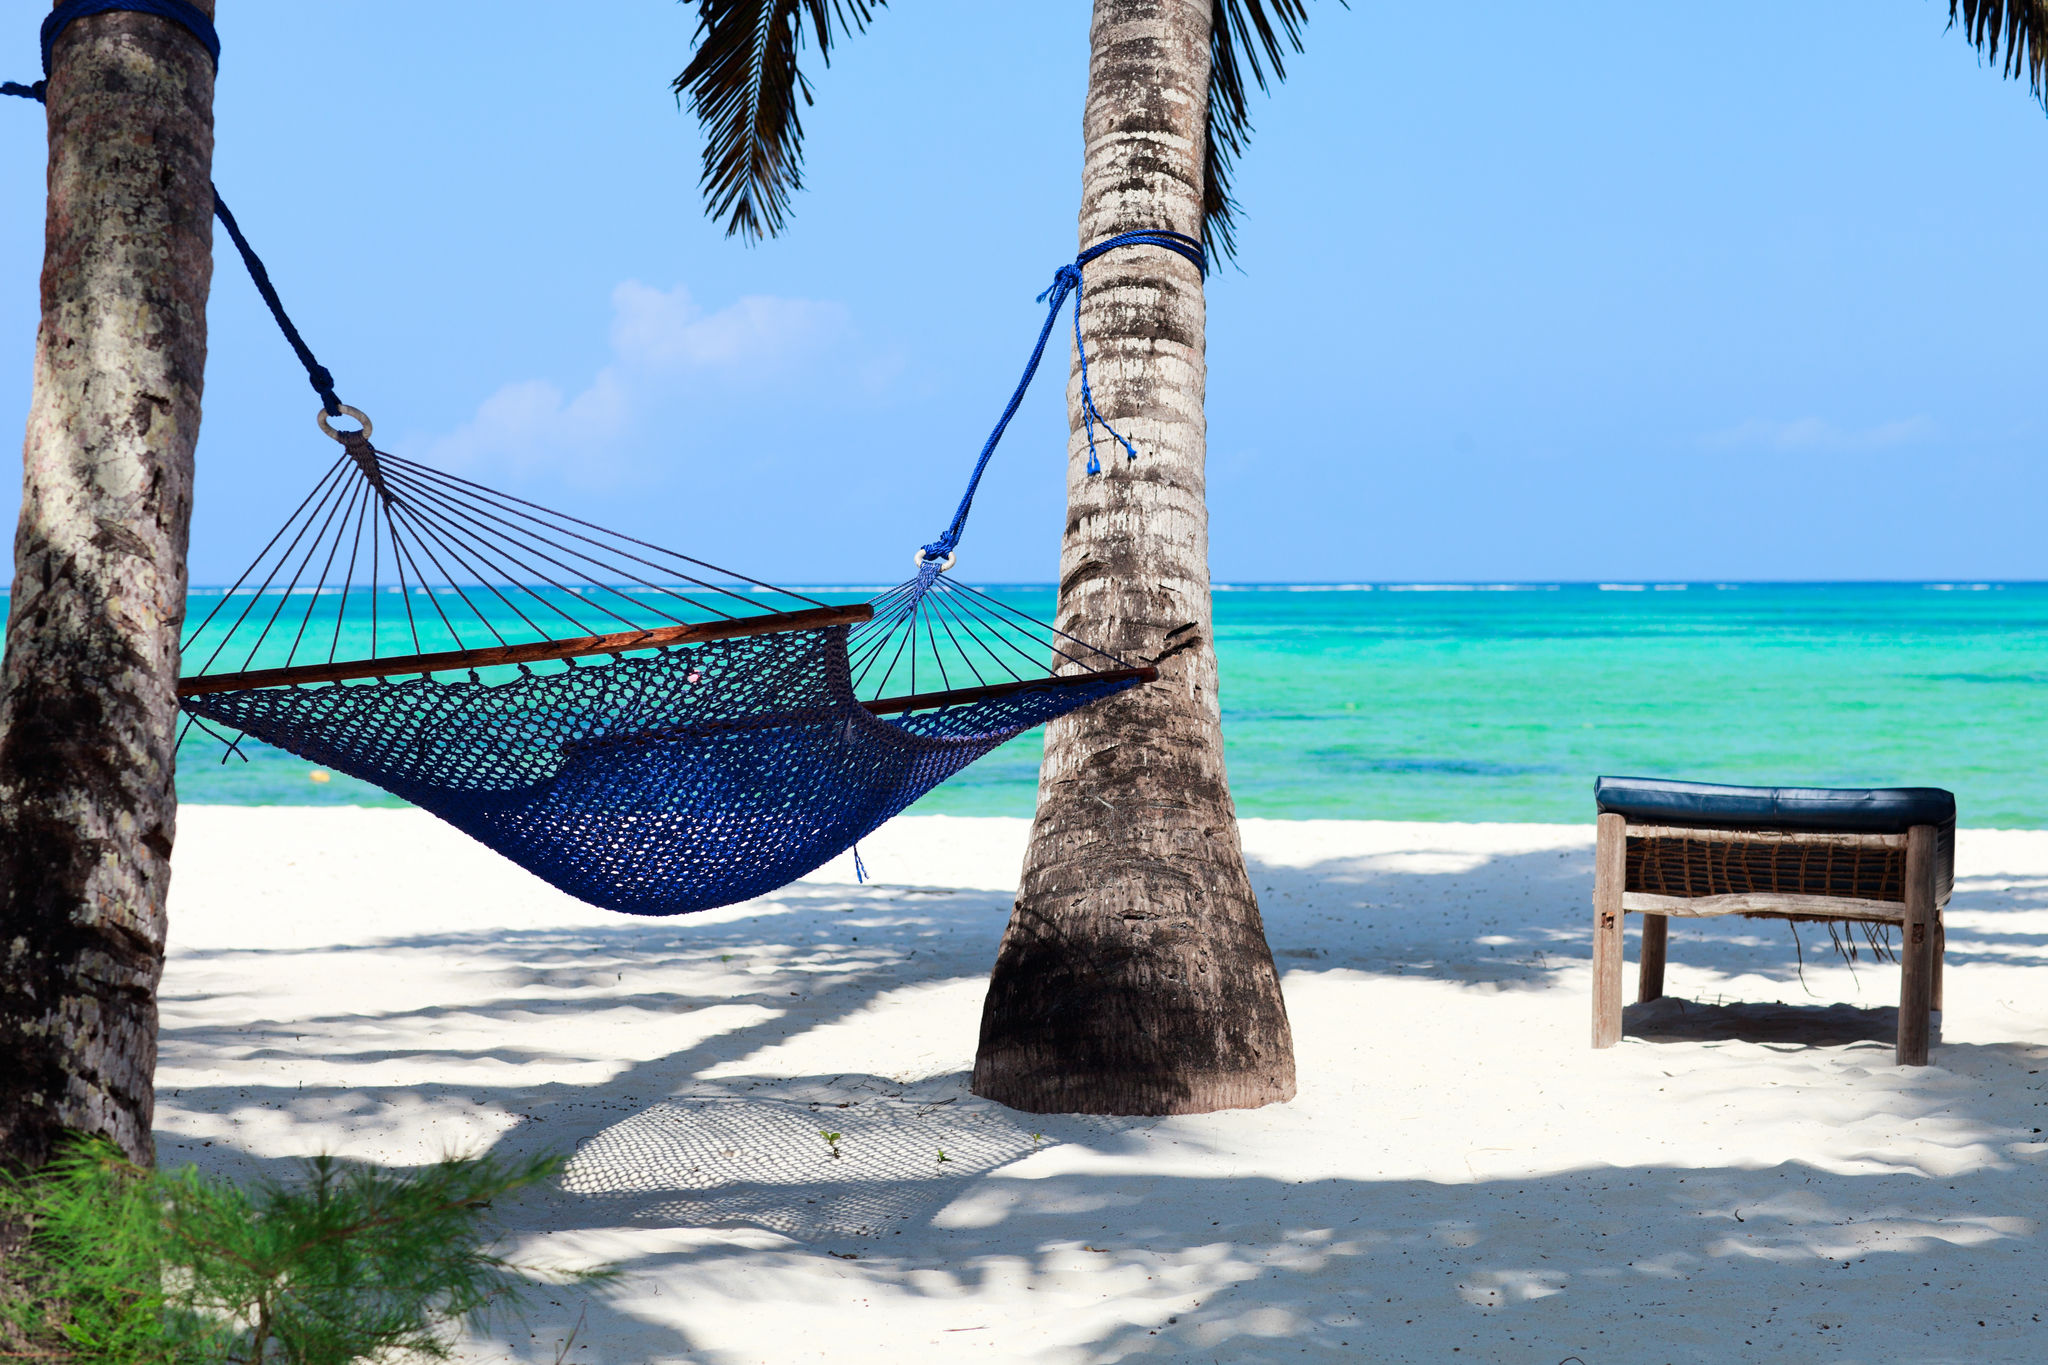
88, 699
1134, 977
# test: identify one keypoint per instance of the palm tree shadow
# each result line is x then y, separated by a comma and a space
1252, 1267
1501, 919
719, 1137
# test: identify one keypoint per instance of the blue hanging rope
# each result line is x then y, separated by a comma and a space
1066, 280
190, 16
316, 373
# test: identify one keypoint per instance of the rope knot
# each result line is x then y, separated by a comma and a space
322, 380
1064, 281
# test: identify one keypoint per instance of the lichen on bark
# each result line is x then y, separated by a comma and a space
87, 686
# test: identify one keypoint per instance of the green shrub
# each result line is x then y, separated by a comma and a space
117, 1265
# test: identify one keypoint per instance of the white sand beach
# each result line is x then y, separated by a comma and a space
1747, 1177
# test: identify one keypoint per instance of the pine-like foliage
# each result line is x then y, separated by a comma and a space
82, 1272
117, 1265
2018, 27
743, 84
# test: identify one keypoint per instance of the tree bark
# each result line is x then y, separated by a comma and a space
88, 704
1134, 977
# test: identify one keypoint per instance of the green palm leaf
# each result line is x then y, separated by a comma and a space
2020, 27
1241, 34
743, 85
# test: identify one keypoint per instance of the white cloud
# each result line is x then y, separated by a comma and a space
665, 349
1814, 434
664, 333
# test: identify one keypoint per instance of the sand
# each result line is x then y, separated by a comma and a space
1747, 1177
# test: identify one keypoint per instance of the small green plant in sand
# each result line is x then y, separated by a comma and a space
832, 1141
107, 1262
943, 1156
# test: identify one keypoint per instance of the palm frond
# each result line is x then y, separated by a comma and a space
1244, 35
2020, 27
743, 84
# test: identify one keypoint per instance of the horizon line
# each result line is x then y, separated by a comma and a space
1302, 585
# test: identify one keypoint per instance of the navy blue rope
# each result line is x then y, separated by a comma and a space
181, 12
316, 373
1066, 280
177, 11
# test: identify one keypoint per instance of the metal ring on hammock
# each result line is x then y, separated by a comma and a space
919, 559
343, 436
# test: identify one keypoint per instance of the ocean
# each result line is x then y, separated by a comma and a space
1503, 702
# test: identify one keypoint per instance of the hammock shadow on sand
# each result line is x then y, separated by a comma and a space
723, 1160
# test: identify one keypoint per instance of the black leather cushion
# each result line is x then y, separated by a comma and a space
1879, 810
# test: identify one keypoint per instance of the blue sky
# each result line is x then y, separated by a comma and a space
1590, 291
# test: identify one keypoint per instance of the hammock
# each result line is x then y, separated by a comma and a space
731, 737
736, 736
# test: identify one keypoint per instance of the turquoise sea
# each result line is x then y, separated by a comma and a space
1463, 702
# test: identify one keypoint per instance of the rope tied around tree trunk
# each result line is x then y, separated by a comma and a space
1065, 281
188, 16
180, 12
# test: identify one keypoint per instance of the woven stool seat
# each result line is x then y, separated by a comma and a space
1877, 856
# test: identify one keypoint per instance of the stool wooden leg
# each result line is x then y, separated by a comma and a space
1940, 958
1610, 869
1916, 949
1650, 976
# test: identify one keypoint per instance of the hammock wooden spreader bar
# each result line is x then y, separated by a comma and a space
404, 665
962, 696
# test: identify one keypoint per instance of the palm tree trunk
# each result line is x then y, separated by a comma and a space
87, 688
1134, 977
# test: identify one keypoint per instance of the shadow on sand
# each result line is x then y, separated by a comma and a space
700, 1142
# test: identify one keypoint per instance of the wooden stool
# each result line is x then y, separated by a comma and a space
1883, 856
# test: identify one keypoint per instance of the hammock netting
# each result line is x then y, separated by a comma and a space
643, 730
655, 785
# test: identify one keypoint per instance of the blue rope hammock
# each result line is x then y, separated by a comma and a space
729, 736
